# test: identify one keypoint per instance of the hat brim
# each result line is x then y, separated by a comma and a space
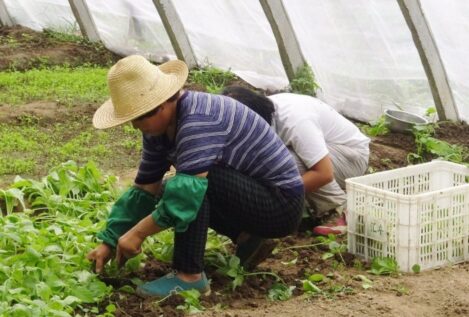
105, 117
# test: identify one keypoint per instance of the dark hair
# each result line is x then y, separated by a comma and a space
262, 105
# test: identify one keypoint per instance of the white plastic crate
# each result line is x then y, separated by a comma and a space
417, 214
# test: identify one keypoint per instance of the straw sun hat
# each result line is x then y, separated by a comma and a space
137, 87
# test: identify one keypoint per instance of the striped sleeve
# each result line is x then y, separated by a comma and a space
154, 163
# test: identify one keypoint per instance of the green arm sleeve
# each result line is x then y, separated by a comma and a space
134, 205
182, 198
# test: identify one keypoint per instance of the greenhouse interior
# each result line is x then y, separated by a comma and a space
384, 84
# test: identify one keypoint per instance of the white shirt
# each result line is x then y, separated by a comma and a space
308, 126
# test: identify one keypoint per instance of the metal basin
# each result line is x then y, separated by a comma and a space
401, 121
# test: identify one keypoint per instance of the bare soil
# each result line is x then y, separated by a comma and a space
22, 48
441, 292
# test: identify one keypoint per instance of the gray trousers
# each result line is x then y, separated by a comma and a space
347, 162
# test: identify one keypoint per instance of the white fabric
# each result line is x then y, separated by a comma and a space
132, 27
348, 162
362, 54
43, 14
449, 21
234, 35
309, 126
361, 51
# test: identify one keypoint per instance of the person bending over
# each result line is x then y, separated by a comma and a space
233, 174
326, 146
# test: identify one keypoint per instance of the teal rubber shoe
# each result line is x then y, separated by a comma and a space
171, 284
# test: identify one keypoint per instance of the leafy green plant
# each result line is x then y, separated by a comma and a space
384, 266
43, 271
416, 268
9, 199
280, 292
335, 248
401, 290
304, 81
212, 78
431, 114
426, 144
380, 127
231, 267
192, 303
310, 288
366, 282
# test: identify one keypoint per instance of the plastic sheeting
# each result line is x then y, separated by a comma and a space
361, 51
132, 27
43, 14
362, 54
449, 21
234, 35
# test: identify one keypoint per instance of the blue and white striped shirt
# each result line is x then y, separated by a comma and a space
213, 129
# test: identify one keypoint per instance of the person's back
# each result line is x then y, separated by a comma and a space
292, 110
326, 146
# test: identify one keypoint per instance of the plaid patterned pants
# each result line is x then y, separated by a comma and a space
235, 203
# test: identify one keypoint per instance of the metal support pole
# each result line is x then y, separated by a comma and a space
85, 20
176, 32
5, 19
287, 42
431, 59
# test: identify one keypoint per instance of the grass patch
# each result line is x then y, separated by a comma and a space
65, 85
212, 78
33, 149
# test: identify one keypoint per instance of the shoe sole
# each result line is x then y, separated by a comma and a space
263, 251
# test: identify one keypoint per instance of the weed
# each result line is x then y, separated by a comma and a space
60, 84
366, 282
63, 36
280, 292
380, 127
335, 248
358, 265
401, 290
304, 82
428, 145
212, 78
17, 166
431, 114
231, 267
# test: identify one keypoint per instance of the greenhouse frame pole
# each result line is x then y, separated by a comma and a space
287, 42
5, 18
176, 32
431, 59
85, 20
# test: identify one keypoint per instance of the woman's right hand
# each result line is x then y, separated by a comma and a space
100, 255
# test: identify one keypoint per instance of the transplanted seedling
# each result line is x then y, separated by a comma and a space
384, 266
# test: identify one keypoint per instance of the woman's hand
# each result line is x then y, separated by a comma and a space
128, 246
100, 255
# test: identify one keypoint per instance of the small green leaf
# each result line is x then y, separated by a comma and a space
416, 268
316, 278
310, 288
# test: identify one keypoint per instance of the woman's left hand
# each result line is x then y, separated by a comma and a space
128, 246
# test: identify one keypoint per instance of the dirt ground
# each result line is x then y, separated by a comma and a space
441, 292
